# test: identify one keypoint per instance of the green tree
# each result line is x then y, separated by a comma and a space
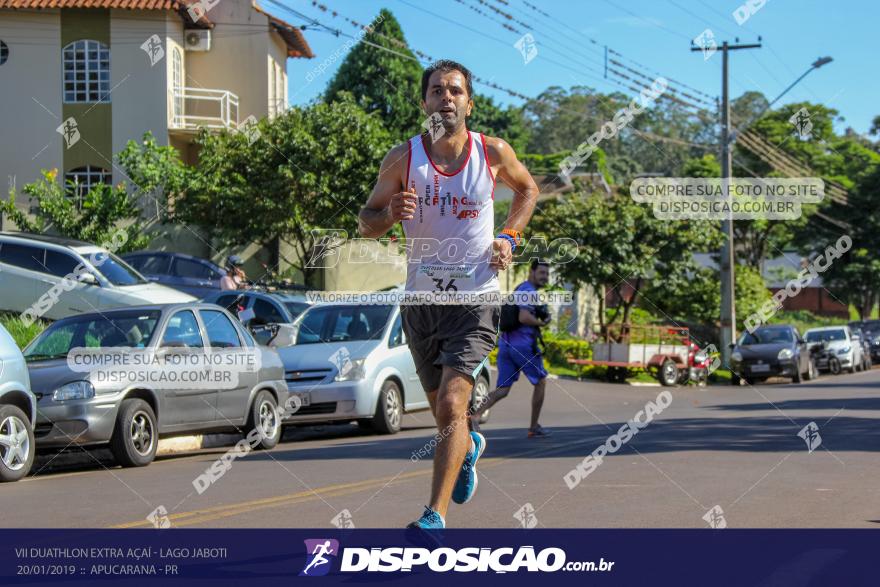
311, 168
157, 171
506, 123
381, 81
855, 278
95, 218
696, 296
620, 244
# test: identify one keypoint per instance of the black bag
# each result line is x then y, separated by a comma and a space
509, 317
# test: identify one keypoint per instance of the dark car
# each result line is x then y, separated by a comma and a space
195, 276
257, 308
871, 333
771, 351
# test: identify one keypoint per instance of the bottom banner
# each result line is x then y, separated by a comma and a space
285, 557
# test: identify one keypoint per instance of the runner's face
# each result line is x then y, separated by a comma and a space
447, 95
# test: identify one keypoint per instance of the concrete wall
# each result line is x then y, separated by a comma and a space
236, 61
30, 94
278, 65
139, 87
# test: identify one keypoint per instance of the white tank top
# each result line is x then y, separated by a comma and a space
449, 239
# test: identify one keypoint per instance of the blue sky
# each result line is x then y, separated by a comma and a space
653, 33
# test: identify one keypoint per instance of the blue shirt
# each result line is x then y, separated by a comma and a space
524, 336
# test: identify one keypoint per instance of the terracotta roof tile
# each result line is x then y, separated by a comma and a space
296, 43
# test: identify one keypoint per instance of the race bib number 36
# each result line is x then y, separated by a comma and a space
445, 278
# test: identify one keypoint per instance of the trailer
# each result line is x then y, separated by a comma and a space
666, 352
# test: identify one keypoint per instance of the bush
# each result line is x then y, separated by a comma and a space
21, 332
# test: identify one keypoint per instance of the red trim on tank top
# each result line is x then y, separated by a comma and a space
408, 163
488, 164
463, 165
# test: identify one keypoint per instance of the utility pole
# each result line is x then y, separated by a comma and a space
728, 261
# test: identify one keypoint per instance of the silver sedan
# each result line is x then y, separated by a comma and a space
127, 377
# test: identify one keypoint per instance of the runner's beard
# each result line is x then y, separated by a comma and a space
454, 123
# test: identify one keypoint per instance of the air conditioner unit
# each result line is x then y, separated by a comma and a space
197, 40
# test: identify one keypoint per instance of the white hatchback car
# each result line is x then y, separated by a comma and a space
840, 342
32, 278
18, 411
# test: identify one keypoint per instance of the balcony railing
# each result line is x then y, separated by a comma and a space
194, 108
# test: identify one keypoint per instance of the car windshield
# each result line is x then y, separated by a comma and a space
342, 323
826, 335
116, 329
117, 271
296, 308
871, 326
766, 336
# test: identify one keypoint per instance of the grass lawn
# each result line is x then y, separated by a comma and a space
21, 332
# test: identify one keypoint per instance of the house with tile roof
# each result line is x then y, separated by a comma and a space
80, 78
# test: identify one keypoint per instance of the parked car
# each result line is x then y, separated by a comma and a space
259, 309
864, 341
86, 409
34, 267
771, 351
840, 342
351, 362
18, 410
195, 276
871, 330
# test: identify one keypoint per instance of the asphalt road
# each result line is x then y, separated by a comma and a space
736, 448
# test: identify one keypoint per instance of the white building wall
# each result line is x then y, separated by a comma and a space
138, 86
236, 61
30, 95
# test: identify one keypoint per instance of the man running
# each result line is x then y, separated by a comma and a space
441, 186
518, 351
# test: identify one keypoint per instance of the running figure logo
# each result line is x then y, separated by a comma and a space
320, 553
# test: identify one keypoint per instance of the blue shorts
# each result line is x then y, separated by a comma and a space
513, 358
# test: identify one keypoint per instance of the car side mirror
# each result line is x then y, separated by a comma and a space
87, 279
800, 340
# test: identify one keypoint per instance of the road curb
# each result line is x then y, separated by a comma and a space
179, 444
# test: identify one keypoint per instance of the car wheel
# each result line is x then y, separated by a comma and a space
811, 371
668, 373
480, 395
834, 365
264, 419
389, 409
135, 437
16, 444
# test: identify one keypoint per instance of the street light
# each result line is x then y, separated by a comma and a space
816, 65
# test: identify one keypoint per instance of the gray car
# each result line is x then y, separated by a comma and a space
18, 409
130, 406
351, 362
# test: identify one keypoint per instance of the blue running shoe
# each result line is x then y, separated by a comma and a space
430, 520
466, 486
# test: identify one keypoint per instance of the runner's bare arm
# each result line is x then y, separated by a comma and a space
514, 174
388, 205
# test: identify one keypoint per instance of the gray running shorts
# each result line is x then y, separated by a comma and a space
458, 336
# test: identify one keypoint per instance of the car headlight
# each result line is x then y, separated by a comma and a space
844, 350
785, 354
736, 356
74, 390
877, 342
351, 371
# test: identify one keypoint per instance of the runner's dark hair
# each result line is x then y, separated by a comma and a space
446, 65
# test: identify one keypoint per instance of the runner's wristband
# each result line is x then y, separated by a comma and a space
510, 239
